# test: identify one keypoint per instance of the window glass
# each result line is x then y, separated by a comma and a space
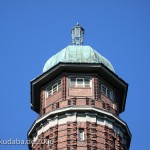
109, 93
106, 91
87, 82
50, 92
103, 88
53, 88
59, 85
81, 134
73, 82
79, 82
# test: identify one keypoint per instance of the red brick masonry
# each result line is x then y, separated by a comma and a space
65, 137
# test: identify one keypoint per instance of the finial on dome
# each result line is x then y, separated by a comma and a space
77, 35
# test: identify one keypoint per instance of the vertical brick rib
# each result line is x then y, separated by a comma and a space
53, 134
91, 136
42, 110
64, 86
71, 136
96, 88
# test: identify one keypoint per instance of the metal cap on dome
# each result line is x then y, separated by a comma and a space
77, 35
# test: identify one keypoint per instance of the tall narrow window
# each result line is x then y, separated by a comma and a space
81, 134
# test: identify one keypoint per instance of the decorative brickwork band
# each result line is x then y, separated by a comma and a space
85, 131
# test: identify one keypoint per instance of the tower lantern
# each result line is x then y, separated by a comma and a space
78, 98
77, 35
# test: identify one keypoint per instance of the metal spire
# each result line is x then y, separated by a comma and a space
77, 35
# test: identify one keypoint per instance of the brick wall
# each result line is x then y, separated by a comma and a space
80, 92
66, 137
61, 98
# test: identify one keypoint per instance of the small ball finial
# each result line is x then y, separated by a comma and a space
77, 24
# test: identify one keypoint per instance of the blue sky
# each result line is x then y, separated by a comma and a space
31, 31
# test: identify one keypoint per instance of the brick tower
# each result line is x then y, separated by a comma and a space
78, 98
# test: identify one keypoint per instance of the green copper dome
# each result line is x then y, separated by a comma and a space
77, 54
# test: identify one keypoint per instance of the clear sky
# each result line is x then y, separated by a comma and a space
31, 31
